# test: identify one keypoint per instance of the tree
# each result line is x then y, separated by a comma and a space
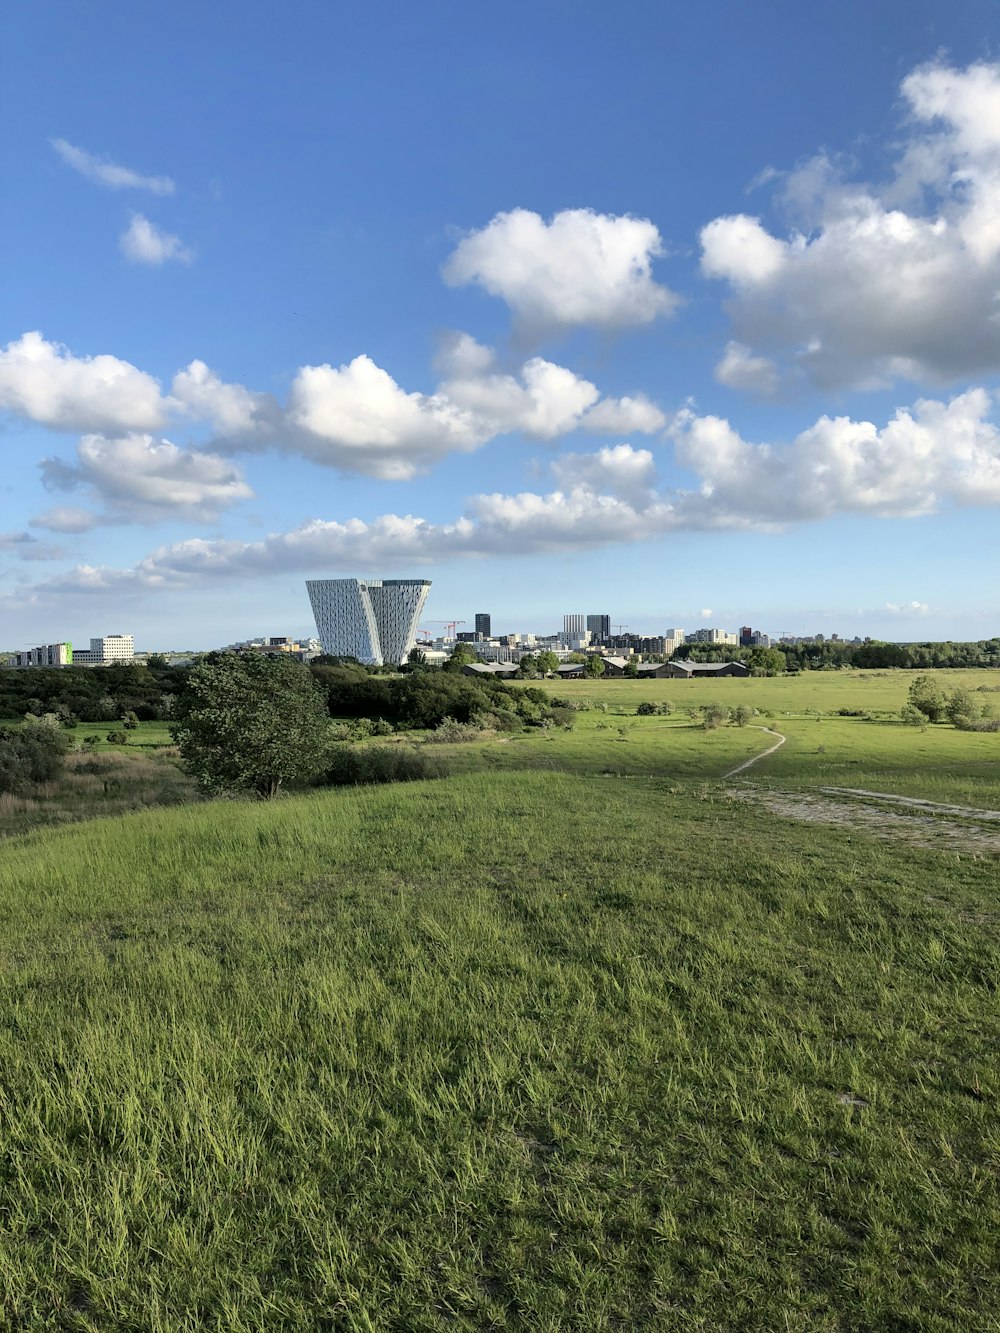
528, 665
594, 666
249, 722
926, 695
547, 662
417, 657
129, 720
631, 670
961, 710
741, 715
463, 654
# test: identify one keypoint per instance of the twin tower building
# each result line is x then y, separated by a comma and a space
374, 620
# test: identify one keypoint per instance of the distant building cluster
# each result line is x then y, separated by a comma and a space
106, 650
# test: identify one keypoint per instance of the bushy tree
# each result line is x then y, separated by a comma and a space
547, 662
741, 715
31, 753
248, 722
594, 666
713, 715
962, 710
928, 697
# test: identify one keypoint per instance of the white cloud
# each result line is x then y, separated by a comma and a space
705, 612
740, 369
144, 243
625, 416
231, 408
907, 608
27, 547
581, 268
933, 454
65, 518
103, 171
46, 383
358, 417
140, 477
883, 281
924, 458
628, 473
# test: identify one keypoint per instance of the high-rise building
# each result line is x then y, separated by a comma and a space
374, 620
746, 636
483, 624
574, 627
599, 626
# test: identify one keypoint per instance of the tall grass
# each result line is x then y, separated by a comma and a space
514, 1051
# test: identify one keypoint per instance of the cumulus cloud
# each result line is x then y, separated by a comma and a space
925, 457
143, 242
103, 171
231, 408
65, 518
935, 454
907, 608
48, 384
627, 473
581, 268
26, 547
138, 476
740, 369
899, 279
357, 418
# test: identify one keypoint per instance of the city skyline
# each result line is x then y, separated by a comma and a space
483, 339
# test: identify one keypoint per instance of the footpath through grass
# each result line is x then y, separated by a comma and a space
521, 1050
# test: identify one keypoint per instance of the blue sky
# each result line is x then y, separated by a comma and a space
687, 314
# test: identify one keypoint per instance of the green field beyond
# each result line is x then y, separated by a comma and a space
575, 1037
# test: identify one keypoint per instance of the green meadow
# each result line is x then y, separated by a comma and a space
566, 1038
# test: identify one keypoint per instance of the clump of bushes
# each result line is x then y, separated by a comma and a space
450, 732
648, 709
350, 765
713, 716
31, 754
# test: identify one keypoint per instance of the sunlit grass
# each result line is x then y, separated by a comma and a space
510, 1050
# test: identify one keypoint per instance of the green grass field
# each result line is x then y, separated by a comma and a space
568, 1039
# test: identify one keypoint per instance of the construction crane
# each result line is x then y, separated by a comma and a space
619, 628
449, 625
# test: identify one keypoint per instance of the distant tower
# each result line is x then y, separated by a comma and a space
374, 620
599, 626
746, 636
573, 627
483, 624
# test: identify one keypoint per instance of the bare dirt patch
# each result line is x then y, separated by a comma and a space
918, 824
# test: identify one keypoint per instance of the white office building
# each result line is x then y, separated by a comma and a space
374, 620
107, 650
574, 627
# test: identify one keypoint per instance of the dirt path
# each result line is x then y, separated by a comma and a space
748, 763
920, 824
915, 803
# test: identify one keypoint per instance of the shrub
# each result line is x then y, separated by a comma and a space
912, 716
646, 709
356, 765
561, 717
450, 731
117, 738
713, 715
29, 754
741, 715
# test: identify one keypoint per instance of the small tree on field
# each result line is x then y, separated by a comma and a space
547, 662
713, 715
741, 715
250, 723
631, 670
962, 710
927, 696
594, 666
129, 720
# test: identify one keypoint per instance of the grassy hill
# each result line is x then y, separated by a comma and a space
516, 1049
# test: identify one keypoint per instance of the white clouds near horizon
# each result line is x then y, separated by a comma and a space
924, 458
102, 171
